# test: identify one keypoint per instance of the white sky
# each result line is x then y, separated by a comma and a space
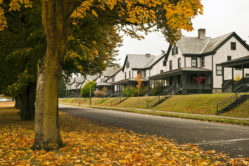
220, 17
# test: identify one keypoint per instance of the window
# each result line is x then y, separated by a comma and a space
161, 71
138, 72
129, 74
113, 79
127, 64
233, 45
164, 63
203, 62
145, 74
229, 58
179, 63
125, 75
174, 50
194, 62
170, 65
218, 70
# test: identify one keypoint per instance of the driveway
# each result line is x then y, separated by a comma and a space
229, 139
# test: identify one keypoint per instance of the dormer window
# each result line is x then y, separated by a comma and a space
164, 63
233, 45
174, 50
127, 64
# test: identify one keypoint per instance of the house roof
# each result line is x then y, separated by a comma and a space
141, 61
129, 80
242, 62
178, 71
110, 71
195, 46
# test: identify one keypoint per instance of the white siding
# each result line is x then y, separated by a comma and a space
174, 59
221, 56
157, 68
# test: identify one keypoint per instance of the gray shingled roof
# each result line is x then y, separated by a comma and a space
110, 71
196, 45
141, 61
192, 45
212, 44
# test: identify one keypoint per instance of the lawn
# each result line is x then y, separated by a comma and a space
87, 143
195, 104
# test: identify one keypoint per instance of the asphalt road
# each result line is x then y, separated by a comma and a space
229, 139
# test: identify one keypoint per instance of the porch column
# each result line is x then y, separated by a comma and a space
223, 78
232, 78
243, 72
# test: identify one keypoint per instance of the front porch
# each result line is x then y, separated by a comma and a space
184, 81
120, 85
233, 85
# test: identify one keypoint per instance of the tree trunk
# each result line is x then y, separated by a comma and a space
18, 102
55, 21
27, 102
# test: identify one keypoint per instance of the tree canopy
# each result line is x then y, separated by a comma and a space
58, 18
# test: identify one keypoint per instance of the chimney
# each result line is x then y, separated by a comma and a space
201, 33
147, 55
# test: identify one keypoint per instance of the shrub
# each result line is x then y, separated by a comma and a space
156, 90
128, 91
141, 91
85, 90
101, 93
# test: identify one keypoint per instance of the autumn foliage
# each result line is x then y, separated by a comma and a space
91, 144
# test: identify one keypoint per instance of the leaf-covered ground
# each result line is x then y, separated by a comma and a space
87, 143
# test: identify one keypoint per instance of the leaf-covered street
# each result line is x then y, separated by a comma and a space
87, 143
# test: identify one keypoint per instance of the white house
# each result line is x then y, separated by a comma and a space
197, 59
143, 64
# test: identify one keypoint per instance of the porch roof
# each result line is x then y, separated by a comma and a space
125, 81
179, 71
104, 84
237, 63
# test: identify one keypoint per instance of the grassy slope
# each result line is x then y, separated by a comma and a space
196, 104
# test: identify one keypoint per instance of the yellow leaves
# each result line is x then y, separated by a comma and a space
87, 143
3, 22
94, 13
16, 4
1, 1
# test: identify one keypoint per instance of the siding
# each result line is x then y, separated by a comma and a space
221, 56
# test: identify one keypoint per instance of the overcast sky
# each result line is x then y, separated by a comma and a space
220, 17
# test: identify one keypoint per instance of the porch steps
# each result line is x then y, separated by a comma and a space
239, 101
160, 101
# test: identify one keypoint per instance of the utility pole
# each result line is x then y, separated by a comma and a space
90, 92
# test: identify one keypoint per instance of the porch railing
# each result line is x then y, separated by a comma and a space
231, 99
196, 86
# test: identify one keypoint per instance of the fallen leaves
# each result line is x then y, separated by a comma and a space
87, 143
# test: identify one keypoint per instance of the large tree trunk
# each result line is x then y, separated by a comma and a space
27, 102
55, 20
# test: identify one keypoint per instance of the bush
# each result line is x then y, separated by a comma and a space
156, 90
101, 93
129, 91
85, 90
141, 91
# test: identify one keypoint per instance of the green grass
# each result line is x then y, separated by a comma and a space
241, 110
204, 104
195, 104
184, 116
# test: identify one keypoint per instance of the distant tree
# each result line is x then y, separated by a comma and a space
62, 88
139, 82
85, 90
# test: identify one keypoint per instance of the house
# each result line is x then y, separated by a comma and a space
193, 64
74, 85
143, 64
105, 79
